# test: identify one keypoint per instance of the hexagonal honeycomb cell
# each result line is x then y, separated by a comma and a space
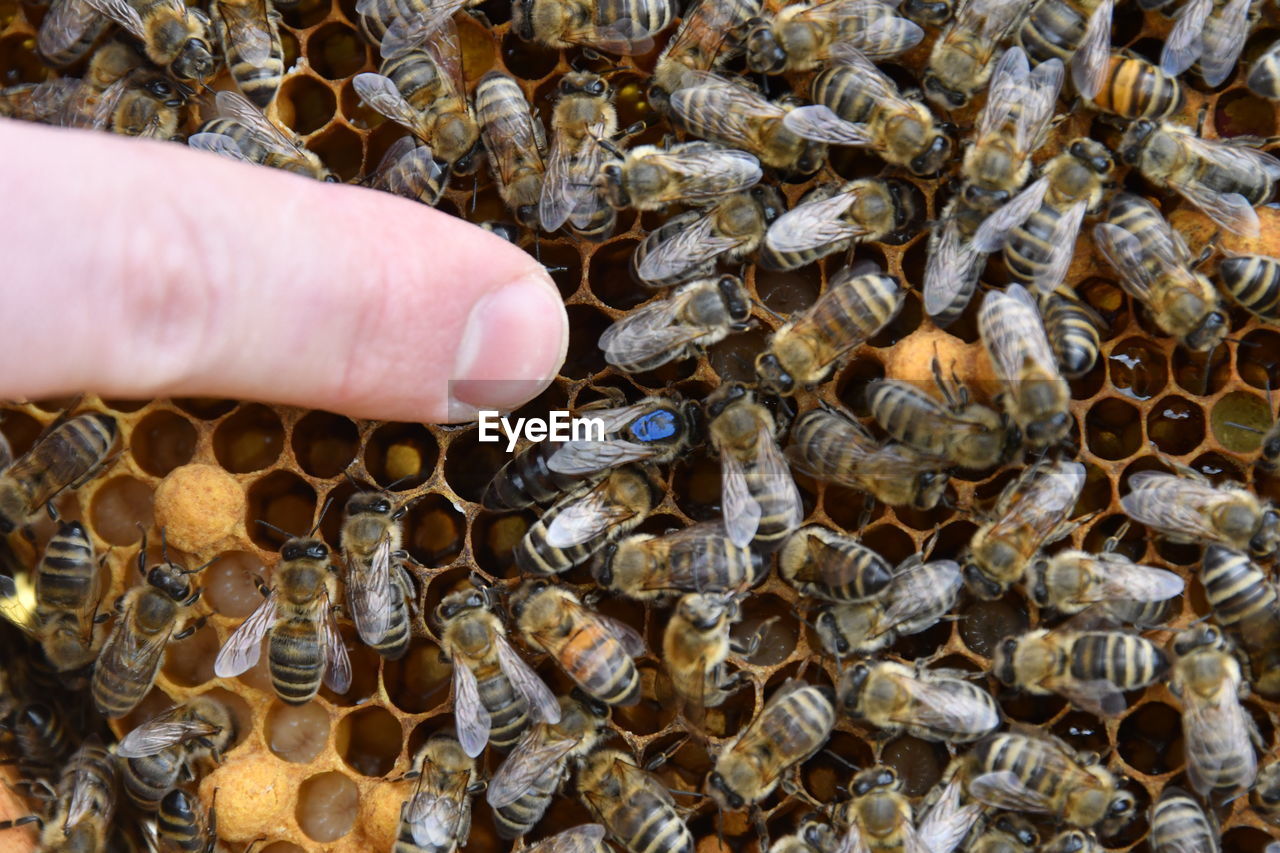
328, 775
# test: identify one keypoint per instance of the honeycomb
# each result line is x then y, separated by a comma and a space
326, 776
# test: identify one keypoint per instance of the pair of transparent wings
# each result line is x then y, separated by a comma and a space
1012, 331
472, 718
772, 479
569, 192
654, 331
941, 829
169, 729
1215, 41
244, 647
261, 130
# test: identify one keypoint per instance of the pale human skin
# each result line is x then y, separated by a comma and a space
140, 269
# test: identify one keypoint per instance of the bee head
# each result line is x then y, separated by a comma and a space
614, 188
772, 375
170, 580
929, 488
935, 155
829, 633
522, 18
1024, 833
724, 397
1135, 138
69, 529
720, 791
736, 299
1209, 333
874, 779
195, 60
979, 584
1038, 575
851, 686
1271, 448
1264, 541
163, 90
372, 503
1092, 154
304, 549
1002, 661
771, 202
1046, 431
942, 94
1121, 808
764, 54
811, 158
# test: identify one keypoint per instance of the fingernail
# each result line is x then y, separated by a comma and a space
513, 344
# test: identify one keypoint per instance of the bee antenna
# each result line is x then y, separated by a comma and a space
164, 545
1246, 428
849, 765
286, 534
391, 486
142, 551
328, 502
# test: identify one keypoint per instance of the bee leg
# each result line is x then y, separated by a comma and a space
762, 831
748, 648
263, 589
190, 629
22, 821
662, 757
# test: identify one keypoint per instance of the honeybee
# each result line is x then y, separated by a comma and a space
879, 817
494, 691
1190, 509
832, 447
584, 521
70, 453
696, 645
811, 836
1179, 825
68, 31
688, 246
436, 818
822, 563
182, 826
593, 650
1264, 75
1244, 604
1091, 669
1072, 841
249, 33
523, 785
1005, 833
142, 103
516, 141
654, 430
243, 133
830, 219
68, 588
868, 105
84, 803
1041, 775
800, 36
424, 90
584, 116
379, 589
1076, 32
296, 617
636, 808
626, 27
650, 178
156, 754
853, 309
1072, 581
1220, 760
1155, 267
940, 705
761, 503
791, 727
1253, 282
709, 35
960, 61
967, 434
1265, 796
1072, 328
733, 114
697, 558
148, 617
398, 27
680, 326
1135, 89
1215, 41
174, 36
42, 738
1035, 394
1223, 179
409, 169
1030, 513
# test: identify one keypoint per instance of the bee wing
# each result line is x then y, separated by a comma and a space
1090, 62
559, 196
710, 171
66, 22
1128, 581
625, 36
517, 131
236, 106
585, 518
948, 822
1008, 317
1002, 789
434, 819
337, 664
1230, 210
939, 705
244, 646
687, 249
15, 609
579, 458
1168, 502
247, 27
729, 110
988, 18
369, 592
580, 839
632, 643
158, 734
445, 47
123, 14
868, 80
950, 275
1096, 696
1007, 91
741, 512
1185, 42
994, 230
528, 761
84, 796
217, 143
381, 93
1223, 39
1065, 232
1217, 734
852, 840
469, 713
1043, 86
1124, 252
819, 123
418, 160
407, 31
813, 223
542, 702
886, 37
